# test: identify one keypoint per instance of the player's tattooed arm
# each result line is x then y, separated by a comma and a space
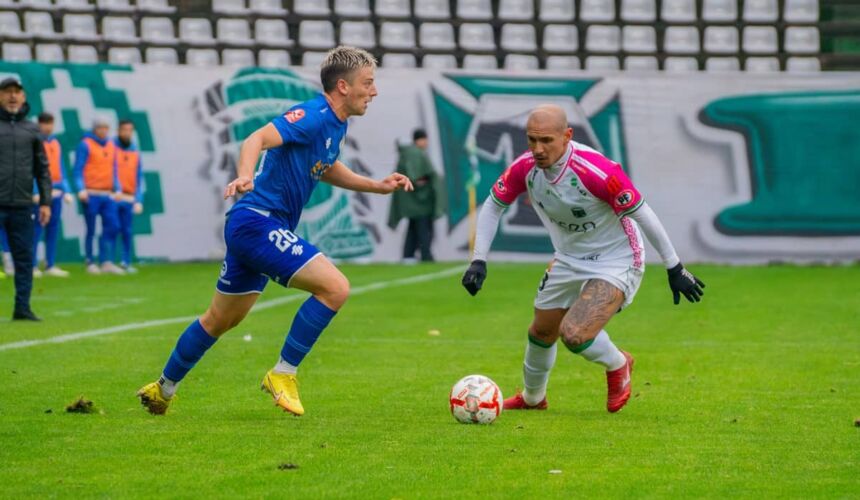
597, 303
341, 176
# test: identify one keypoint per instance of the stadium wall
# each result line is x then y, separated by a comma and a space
742, 168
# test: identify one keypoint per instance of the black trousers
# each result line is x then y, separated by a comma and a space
419, 235
18, 223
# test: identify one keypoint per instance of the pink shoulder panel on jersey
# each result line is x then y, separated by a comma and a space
512, 182
606, 180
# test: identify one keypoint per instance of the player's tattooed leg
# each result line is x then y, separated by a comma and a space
597, 303
545, 326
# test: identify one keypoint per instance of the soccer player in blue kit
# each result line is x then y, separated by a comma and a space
301, 148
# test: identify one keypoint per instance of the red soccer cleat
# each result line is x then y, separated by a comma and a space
518, 403
618, 385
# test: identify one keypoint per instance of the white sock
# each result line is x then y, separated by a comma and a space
168, 387
602, 351
536, 367
284, 367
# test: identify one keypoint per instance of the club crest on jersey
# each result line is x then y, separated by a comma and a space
295, 115
500, 186
624, 198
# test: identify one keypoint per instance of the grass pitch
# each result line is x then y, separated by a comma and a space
752, 392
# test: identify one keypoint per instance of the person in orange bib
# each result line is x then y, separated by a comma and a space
96, 178
130, 200
60, 191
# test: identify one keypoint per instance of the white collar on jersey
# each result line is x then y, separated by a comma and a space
558, 167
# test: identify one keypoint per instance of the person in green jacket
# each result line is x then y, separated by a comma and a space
421, 206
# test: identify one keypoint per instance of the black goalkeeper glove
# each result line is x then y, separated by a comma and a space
683, 281
474, 277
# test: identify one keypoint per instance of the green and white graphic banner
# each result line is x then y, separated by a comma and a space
741, 168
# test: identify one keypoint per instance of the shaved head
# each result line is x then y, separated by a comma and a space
548, 134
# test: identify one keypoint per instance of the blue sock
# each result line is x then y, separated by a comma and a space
192, 344
311, 319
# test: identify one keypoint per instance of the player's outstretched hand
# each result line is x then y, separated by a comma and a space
474, 277
682, 281
394, 182
239, 185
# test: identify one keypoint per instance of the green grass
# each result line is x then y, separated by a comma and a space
752, 393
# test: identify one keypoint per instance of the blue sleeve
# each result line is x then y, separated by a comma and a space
35, 187
64, 181
81, 155
138, 195
299, 131
116, 187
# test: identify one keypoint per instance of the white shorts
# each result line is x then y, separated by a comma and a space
564, 279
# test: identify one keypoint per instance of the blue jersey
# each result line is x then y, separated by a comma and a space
288, 174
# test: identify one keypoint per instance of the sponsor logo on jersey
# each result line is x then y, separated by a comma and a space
577, 212
613, 185
624, 198
295, 115
328, 143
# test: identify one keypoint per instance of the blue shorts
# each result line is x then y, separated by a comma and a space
260, 248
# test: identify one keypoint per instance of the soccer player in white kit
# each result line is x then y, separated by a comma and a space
595, 218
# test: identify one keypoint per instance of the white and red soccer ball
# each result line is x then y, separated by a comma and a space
476, 399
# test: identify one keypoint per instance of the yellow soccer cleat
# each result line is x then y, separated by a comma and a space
152, 399
284, 389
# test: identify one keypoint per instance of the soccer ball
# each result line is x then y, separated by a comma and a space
476, 399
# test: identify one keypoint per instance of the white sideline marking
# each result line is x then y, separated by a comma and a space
359, 290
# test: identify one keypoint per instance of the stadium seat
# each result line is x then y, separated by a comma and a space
721, 39
602, 63
161, 55
234, 32
802, 40
201, 57
39, 5
516, 10
803, 65
761, 11
75, 6
722, 64
155, 7
641, 63
10, 26
439, 61
83, 54
238, 57
157, 30
436, 36
7, 5
119, 29
358, 34
273, 58
681, 40
396, 35
474, 10
603, 39
316, 34
38, 25
229, 7
518, 38
477, 37
49, 53
311, 8
352, 8
80, 27
560, 63
638, 10
800, 11
597, 10
115, 6
678, 11
313, 59
394, 9
395, 60
521, 62
16, 52
761, 65
272, 33
196, 31
124, 55
680, 64
560, 38
557, 11
480, 61
639, 39
760, 40
271, 8
719, 10
432, 9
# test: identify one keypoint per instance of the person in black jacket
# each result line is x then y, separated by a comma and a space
22, 161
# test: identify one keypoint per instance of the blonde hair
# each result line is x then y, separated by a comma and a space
341, 61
